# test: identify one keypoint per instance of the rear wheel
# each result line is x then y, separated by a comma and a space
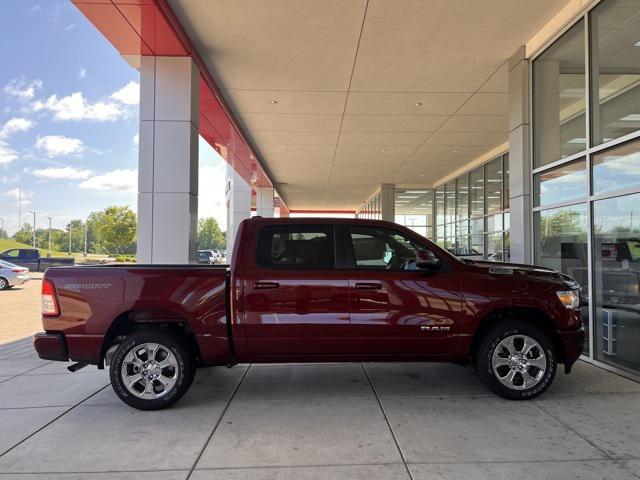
4, 284
152, 369
516, 360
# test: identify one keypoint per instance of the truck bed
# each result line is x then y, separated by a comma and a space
192, 297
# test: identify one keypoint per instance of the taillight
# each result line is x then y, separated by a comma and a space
50, 306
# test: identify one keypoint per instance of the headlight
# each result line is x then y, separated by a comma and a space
570, 298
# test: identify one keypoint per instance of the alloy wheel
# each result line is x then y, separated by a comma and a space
149, 370
519, 362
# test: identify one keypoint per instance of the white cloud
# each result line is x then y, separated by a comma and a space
82, 73
67, 173
121, 180
7, 154
59, 145
22, 90
129, 94
136, 139
25, 196
76, 107
15, 125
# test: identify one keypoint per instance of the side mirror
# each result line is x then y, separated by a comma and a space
425, 259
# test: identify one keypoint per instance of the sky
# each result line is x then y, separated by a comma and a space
69, 120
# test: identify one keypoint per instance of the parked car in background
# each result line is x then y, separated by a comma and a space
12, 275
206, 257
30, 258
313, 290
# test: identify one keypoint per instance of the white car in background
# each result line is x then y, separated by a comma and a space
12, 275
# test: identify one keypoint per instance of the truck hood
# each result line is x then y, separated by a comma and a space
529, 271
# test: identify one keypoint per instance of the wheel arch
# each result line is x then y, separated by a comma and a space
134, 320
531, 315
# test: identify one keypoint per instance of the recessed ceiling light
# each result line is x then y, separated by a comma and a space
274, 102
417, 104
384, 150
455, 150
637, 44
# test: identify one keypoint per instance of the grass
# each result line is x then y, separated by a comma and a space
8, 244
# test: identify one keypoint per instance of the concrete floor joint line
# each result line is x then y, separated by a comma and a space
386, 419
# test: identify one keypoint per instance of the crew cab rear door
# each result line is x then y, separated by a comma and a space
396, 308
296, 294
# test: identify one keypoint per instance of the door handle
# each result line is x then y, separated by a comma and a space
266, 285
368, 286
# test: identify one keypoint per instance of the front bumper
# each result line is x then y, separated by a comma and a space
51, 346
573, 342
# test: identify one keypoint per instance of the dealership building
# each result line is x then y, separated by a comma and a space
505, 130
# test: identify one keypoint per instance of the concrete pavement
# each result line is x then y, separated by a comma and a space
334, 421
20, 310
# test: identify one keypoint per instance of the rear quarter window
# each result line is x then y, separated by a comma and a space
297, 247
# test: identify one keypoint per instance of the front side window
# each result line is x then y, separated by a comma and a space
383, 249
297, 247
12, 253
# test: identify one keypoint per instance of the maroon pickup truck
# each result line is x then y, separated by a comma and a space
312, 290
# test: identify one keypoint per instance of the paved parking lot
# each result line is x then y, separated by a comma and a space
20, 310
335, 421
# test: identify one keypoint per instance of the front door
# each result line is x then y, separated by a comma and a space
296, 298
396, 308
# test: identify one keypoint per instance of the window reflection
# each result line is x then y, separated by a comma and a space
561, 238
615, 79
563, 184
559, 95
617, 280
617, 168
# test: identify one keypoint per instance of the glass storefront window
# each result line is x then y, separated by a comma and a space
462, 201
494, 246
562, 184
506, 181
616, 168
450, 202
559, 98
493, 185
561, 241
476, 182
615, 69
616, 246
440, 205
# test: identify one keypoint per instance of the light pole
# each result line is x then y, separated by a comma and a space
34, 227
1, 228
49, 235
69, 228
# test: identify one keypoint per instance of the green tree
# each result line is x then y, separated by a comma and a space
115, 229
25, 234
209, 234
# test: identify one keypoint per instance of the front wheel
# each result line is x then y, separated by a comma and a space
151, 369
4, 284
516, 360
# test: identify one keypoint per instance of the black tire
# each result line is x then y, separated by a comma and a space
181, 373
4, 284
512, 370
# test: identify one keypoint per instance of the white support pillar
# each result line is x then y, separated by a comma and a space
519, 160
168, 160
264, 202
388, 202
238, 205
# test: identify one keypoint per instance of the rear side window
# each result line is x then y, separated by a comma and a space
297, 247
